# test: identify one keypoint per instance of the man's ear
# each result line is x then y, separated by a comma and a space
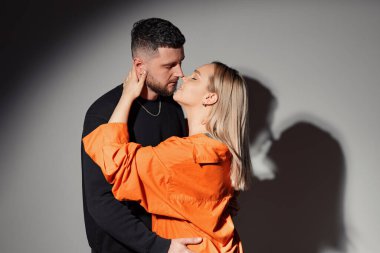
210, 99
139, 65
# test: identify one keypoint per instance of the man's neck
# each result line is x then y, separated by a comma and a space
148, 94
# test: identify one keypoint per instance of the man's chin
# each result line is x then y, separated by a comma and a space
169, 91
165, 94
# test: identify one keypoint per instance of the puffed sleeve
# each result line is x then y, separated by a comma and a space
135, 171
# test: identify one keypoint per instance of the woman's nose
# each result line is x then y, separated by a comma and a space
184, 78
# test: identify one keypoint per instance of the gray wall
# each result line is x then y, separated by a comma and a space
313, 71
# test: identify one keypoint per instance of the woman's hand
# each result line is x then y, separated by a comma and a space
132, 85
131, 90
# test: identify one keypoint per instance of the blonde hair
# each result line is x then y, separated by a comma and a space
228, 121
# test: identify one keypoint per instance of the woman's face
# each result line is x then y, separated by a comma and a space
193, 90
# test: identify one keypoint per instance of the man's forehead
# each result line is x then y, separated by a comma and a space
171, 54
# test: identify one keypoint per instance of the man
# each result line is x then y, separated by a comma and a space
112, 226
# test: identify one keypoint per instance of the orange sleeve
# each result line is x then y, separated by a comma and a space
135, 171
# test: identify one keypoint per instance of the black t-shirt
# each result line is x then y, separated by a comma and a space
150, 130
122, 227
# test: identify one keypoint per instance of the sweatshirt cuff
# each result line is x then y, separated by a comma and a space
160, 245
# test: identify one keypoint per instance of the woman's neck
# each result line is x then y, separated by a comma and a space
196, 128
195, 120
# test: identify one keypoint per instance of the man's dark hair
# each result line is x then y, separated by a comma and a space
152, 33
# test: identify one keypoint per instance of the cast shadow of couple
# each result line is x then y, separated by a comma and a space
298, 208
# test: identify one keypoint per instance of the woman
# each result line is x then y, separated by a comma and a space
186, 183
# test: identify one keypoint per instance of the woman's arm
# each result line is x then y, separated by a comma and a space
131, 90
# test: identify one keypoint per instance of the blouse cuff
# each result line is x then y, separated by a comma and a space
109, 133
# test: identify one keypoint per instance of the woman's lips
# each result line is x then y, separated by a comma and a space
179, 87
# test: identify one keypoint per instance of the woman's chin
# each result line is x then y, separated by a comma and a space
175, 97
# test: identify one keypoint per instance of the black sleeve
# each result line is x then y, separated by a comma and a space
113, 217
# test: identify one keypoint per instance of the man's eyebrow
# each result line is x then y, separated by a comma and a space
170, 63
197, 71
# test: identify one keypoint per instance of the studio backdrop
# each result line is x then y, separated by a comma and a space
312, 68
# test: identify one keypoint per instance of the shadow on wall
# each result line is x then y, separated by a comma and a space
301, 209
32, 32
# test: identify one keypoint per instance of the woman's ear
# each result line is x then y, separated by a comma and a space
210, 99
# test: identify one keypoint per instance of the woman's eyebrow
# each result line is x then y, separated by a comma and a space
197, 71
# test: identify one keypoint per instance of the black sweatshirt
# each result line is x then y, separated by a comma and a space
120, 227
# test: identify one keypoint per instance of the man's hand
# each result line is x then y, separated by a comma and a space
233, 206
179, 245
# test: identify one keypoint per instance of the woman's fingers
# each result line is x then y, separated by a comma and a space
143, 77
133, 84
127, 79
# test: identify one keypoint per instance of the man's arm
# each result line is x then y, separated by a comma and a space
112, 216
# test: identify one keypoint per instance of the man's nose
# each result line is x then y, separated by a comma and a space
178, 71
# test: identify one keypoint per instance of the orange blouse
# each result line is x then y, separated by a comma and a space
184, 182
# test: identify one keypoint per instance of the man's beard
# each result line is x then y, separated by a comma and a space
156, 86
